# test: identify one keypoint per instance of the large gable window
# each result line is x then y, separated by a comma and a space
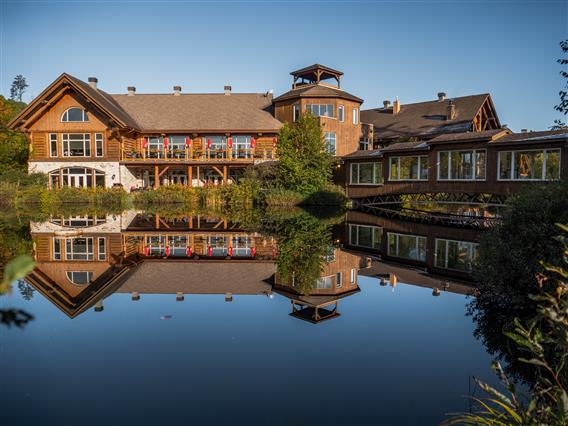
75, 115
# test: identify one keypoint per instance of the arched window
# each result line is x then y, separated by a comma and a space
80, 277
75, 115
79, 177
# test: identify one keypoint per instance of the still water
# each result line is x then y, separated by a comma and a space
142, 318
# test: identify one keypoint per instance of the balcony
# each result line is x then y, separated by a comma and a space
191, 155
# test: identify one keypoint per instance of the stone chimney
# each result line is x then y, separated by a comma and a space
228, 90
131, 90
396, 106
450, 110
524, 130
93, 82
177, 90
441, 96
386, 104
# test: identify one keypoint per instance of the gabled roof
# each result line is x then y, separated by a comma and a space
99, 98
200, 112
424, 118
317, 91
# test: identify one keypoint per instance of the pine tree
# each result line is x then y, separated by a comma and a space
18, 88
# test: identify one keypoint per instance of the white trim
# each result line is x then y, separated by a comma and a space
86, 142
56, 145
355, 116
102, 140
416, 246
66, 113
341, 117
376, 165
448, 179
471, 247
543, 179
419, 172
373, 242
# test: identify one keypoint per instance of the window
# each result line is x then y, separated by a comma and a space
155, 147
242, 246
241, 147
363, 145
75, 115
79, 221
325, 282
529, 165
338, 277
76, 144
341, 113
98, 144
320, 110
329, 139
79, 277
329, 256
218, 148
366, 173
79, 248
176, 146
56, 249
412, 247
355, 116
78, 177
408, 168
102, 248
53, 145
461, 165
178, 245
218, 245
456, 255
296, 112
353, 275
365, 236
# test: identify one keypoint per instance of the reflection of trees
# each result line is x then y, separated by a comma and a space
508, 264
26, 290
303, 242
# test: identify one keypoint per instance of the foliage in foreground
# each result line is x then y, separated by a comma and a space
509, 261
543, 341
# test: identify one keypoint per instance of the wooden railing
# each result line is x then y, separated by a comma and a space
191, 154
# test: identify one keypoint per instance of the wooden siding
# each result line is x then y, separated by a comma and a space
489, 185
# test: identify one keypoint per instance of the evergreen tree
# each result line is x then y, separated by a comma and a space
18, 88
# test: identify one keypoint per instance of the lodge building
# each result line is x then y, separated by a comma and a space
82, 136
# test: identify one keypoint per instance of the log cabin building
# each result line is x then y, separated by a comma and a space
84, 137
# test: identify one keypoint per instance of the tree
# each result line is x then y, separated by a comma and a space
509, 261
304, 165
18, 88
13, 144
563, 105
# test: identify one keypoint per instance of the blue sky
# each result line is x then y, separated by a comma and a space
409, 49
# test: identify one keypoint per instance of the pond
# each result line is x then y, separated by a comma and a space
240, 318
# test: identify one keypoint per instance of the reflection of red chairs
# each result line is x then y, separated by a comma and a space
252, 251
274, 253
209, 251
188, 252
146, 250
230, 251
168, 251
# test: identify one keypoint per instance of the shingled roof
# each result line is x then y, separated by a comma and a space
317, 91
200, 112
424, 118
215, 112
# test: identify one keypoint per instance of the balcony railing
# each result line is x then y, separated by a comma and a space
208, 154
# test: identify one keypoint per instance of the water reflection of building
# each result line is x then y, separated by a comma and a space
339, 279
438, 250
